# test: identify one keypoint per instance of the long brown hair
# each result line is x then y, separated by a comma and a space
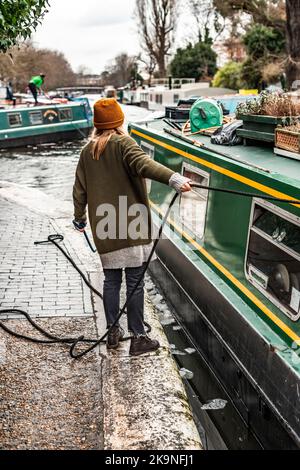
100, 139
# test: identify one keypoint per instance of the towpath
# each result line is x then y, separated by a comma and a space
48, 400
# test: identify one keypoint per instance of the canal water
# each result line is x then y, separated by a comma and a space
51, 168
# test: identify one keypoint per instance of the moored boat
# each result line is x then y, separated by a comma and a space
230, 266
168, 92
23, 125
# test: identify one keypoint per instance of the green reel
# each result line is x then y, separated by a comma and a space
205, 113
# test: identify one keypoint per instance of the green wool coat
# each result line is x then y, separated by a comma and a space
120, 171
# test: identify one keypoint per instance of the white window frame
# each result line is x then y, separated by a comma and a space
30, 118
204, 174
175, 98
149, 150
62, 110
149, 147
15, 114
290, 218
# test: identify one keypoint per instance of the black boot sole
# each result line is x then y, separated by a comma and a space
139, 353
112, 346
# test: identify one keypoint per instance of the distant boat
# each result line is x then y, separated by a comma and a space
163, 94
20, 125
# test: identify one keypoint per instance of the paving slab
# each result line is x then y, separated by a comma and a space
27, 279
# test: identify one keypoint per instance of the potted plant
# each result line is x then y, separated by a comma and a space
263, 114
287, 138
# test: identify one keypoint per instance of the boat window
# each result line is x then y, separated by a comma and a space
273, 256
147, 148
36, 117
158, 99
193, 204
176, 98
65, 114
15, 119
150, 150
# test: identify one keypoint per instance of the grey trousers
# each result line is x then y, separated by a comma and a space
111, 297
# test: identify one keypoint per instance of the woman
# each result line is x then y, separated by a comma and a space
110, 180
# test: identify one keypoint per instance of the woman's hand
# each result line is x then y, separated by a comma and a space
180, 183
79, 225
185, 187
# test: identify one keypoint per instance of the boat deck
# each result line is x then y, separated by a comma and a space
280, 168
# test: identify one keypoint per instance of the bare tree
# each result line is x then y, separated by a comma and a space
157, 23
83, 70
149, 66
28, 60
206, 18
293, 36
121, 70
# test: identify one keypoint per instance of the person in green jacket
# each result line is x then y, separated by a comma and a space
110, 180
35, 85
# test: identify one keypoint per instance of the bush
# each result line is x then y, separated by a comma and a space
195, 61
251, 73
229, 76
263, 40
272, 72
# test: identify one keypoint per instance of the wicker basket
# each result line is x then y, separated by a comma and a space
287, 139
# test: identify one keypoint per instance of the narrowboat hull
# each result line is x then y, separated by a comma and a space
206, 269
21, 126
43, 138
243, 361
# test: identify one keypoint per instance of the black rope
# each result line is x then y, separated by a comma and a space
52, 339
245, 194
89, 242
56, 238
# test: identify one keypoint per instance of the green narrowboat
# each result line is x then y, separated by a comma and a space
20, 126
230, 267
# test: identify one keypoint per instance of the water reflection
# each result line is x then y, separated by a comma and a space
49, 168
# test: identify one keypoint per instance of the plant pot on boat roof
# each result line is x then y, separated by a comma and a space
288, 138
262, 115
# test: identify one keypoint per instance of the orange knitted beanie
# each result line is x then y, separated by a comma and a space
108, 114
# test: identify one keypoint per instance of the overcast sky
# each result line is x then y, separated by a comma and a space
89, 32
92, 32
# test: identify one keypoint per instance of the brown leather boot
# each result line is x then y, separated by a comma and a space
142, 344
114, 336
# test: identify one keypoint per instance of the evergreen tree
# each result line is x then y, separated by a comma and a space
195, 61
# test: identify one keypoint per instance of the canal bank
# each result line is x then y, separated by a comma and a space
48, 400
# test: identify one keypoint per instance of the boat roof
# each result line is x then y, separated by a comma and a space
42, 107
258, 158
